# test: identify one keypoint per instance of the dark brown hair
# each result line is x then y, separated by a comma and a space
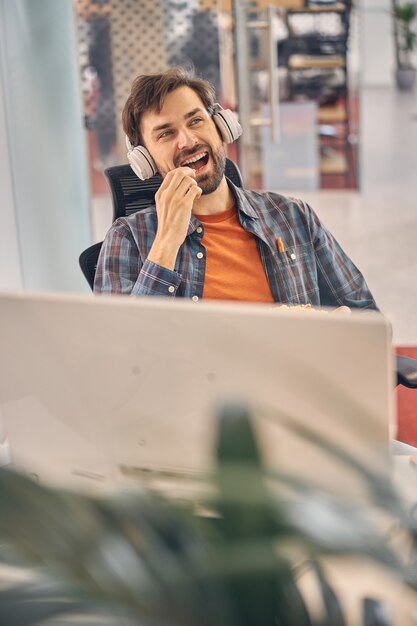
149, 91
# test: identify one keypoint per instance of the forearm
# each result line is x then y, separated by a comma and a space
151, 280
120, 269
156, 280
163, 252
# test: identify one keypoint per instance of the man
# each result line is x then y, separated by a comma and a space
205, 238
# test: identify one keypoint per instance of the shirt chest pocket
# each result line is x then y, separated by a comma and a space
296, 268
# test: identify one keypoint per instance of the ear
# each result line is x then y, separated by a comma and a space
227, 123
140, 161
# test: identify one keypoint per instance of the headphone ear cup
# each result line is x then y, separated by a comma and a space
227, 123
142, 163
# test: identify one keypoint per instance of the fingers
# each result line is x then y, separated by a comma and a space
176, 185
194, 192
185, 186
173, 179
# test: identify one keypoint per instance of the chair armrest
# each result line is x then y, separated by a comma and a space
406, 371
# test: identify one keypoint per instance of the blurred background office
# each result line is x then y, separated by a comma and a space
314, 84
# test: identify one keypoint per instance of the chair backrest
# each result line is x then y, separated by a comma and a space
130, 194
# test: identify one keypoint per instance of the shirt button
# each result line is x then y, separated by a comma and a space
171, 289
199, 230
194, 298
200, 255
293, 256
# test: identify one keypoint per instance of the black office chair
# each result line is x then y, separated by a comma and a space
130, 194
88, 262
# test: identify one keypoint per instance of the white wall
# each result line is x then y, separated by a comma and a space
377, 57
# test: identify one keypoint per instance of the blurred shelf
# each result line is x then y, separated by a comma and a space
307, 62
317, 69
257, 66
337, 7
331, 115
287, 5
336, 164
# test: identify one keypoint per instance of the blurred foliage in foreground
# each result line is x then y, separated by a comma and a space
138, 559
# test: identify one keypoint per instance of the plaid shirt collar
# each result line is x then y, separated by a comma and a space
243, 207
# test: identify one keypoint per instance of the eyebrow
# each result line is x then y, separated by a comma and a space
168, 124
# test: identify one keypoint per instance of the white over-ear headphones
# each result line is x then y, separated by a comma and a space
143, 164
140, 161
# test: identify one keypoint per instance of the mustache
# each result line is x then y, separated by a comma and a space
187, 154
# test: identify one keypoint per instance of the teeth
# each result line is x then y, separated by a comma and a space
196, 158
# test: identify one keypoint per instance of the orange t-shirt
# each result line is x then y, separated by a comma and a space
234, 269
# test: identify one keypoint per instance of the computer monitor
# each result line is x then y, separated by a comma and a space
101, 392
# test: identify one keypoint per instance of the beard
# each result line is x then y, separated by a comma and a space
208, 182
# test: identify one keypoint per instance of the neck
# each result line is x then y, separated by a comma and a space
216, 202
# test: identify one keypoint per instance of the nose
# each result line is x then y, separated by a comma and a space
186, 139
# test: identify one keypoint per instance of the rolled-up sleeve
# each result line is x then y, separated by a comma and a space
121, 270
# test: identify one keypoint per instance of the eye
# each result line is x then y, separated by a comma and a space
196, 120
165, 134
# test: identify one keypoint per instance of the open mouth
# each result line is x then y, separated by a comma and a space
197, 161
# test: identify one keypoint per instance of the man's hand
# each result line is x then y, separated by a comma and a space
308, 307
174, 202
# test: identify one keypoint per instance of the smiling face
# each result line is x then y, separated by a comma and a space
183, 133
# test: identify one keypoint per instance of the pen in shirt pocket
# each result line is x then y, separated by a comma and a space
280, 245
281, 249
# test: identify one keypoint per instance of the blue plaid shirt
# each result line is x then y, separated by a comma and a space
311, 267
